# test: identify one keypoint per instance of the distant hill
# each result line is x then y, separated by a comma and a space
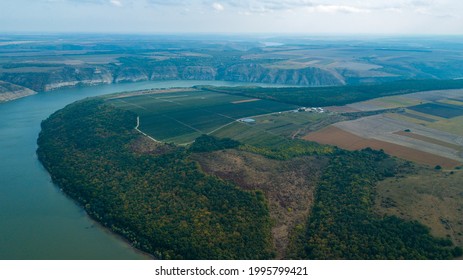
50, 64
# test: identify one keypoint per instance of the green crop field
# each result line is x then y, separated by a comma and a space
270, 129
183, 116
439, 109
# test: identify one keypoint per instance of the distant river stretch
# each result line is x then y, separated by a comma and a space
37, 221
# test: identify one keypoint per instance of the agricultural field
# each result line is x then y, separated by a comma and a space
276, 128
453, 125
335, 136
442, 110
428, 130
452, 101
182, 117
430, 137
388, 102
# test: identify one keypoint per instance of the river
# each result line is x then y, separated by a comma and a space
37, 220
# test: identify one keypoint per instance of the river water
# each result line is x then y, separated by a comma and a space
37, 221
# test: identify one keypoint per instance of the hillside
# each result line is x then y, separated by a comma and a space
10, 91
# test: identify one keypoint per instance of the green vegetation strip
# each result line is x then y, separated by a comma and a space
162, 203
337, 95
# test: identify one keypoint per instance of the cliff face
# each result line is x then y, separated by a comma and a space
303, 77
164, 73
69, 76
63, 77
131, 74
10, 91
199, 73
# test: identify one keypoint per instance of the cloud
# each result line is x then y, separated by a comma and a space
116, 3
429, 8
338, 9
217, 6
314, 6
168, 3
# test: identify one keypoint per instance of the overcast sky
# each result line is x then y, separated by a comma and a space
226, 16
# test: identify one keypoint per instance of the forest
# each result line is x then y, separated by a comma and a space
163, 204
343, 225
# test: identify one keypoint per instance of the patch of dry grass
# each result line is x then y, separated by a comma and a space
434, 198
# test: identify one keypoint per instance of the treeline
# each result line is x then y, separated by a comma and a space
208, 143
337, 95
162, 203
282, 150
342, 224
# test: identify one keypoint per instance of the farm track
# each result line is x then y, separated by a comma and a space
149, 137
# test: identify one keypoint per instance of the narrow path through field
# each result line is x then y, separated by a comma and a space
138, 125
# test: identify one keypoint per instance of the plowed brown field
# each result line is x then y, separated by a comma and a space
335, 136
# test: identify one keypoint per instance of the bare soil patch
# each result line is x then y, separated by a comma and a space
346, 140
144, 145
428, 139
341, 109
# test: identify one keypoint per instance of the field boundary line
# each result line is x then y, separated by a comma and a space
182, 123
219, 128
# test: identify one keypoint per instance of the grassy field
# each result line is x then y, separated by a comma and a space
388, 102
181, 117
434, 198
452, 101
453, 125
415, 117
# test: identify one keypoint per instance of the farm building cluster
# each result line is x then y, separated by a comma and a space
312, 109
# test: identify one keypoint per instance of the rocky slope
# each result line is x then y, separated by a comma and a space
29, 82
257, 73
10, 91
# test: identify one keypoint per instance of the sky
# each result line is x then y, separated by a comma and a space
401, 17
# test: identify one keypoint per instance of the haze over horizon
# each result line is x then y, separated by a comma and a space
395, 17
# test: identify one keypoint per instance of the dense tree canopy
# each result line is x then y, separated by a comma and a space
162, 203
